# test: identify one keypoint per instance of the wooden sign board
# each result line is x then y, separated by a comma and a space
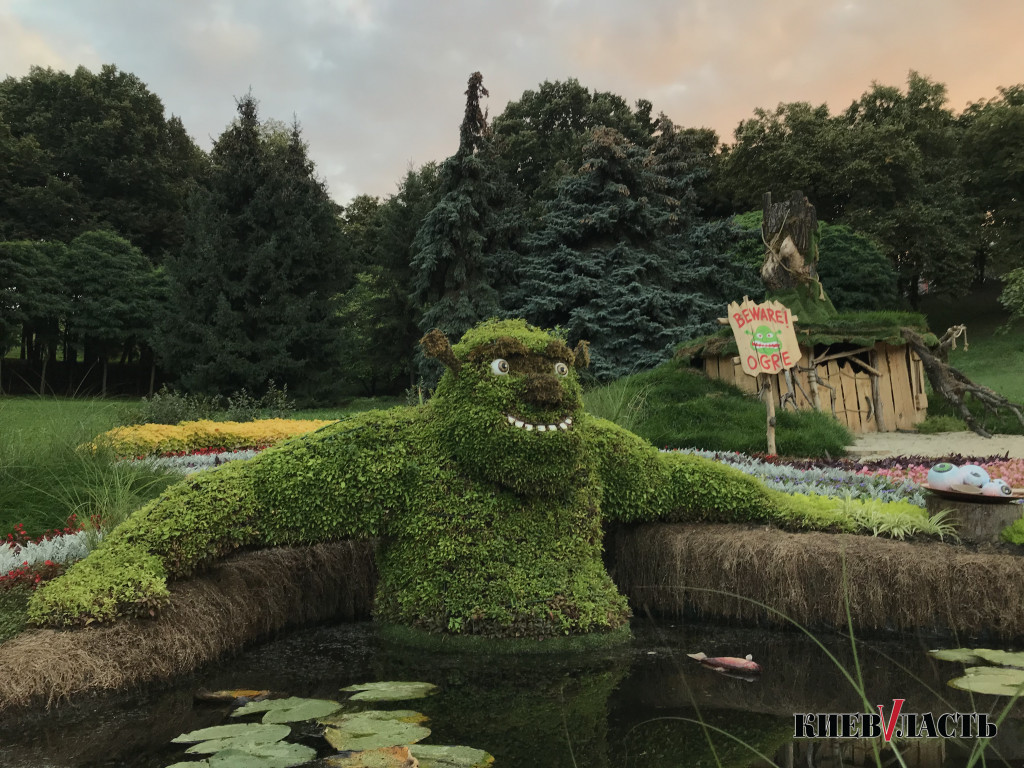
765, 336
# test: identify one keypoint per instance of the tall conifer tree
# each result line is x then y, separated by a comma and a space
463, 239
252, 288
621, 258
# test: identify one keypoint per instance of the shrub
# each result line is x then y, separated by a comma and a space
943, 423
149, 439
168, 406
682, 408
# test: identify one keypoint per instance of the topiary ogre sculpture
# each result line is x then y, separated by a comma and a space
488, 501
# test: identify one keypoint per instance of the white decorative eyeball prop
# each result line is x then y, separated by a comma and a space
499, 367
943, 475
972, 474
997, 487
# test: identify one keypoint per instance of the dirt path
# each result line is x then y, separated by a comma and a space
882, 444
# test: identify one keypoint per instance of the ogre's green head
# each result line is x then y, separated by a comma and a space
509, 404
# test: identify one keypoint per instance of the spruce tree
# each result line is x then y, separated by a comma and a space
622, 260
463, 239
252, 288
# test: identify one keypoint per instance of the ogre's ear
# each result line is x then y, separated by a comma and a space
436, 345
581, 355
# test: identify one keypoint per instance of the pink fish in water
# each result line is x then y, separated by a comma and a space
729, 664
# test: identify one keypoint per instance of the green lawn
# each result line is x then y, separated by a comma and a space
45, 475
992, 358
677, 407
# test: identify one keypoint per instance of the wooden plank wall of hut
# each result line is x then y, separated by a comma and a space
897, 402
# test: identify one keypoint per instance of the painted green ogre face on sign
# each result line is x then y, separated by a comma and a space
509, 403
765, 341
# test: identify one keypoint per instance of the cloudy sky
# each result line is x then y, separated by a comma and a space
378, 84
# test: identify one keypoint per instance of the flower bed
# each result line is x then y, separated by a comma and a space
187, 463
820, 480
191, 436
1010, 471
27, 562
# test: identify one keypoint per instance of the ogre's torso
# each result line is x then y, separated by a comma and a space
470, 556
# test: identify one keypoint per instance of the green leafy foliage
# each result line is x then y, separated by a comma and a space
379, 318
542, 134
889, 167
1012, 297
89, 150
1014, 533
856, 274
991, 150
251, 290
621, 258
13, 611
682, 408
459, 246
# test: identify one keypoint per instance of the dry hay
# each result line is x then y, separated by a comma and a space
889, 585
236, 602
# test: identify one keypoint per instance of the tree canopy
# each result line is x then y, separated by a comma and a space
88, 150
253, 286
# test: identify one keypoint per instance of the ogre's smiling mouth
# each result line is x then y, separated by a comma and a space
564, 425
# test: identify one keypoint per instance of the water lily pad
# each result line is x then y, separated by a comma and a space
996, 681
290, 710
256, 733
231, 696
963, 655
390, 691
385, 757
370, 730
1003, 658
281, 755
402, 715
434, 756
978, 655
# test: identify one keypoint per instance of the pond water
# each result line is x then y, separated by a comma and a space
623, 708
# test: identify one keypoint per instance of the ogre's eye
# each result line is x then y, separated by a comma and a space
499, 367
561, 369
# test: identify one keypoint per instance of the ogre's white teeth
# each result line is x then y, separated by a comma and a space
563, 425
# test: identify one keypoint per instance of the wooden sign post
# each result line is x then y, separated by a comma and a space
767, 344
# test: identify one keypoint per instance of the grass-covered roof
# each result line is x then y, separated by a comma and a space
859, 328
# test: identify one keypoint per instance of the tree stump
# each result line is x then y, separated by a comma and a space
790, 233
790, 270
977, 522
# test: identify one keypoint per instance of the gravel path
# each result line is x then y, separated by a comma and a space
879, 444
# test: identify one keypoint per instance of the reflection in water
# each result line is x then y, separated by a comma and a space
644, 704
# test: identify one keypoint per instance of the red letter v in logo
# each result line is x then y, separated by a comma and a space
890, 726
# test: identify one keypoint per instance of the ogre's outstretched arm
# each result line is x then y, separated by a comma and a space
339, 482
644, 484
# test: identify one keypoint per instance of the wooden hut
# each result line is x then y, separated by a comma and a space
867, 376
